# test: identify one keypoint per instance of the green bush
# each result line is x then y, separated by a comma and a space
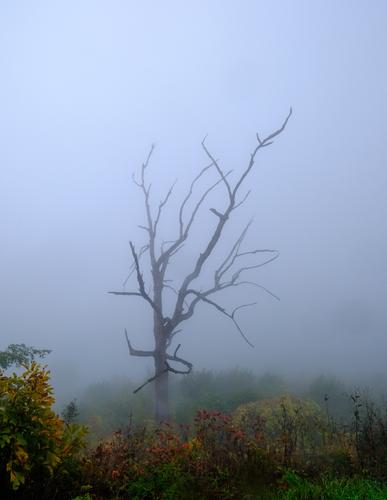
35, 444
294, 429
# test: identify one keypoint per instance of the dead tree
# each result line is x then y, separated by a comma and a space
230, 273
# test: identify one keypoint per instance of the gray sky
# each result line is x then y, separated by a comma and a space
87, 86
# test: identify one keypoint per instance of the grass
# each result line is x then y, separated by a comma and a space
295, 487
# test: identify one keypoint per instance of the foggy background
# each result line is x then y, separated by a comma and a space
86, 87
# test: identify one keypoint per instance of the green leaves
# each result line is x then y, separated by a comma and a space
20, 440
20, 355
34, 441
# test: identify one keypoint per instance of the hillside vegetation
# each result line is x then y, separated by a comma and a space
234, 435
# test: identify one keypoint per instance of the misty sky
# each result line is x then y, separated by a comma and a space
86, 87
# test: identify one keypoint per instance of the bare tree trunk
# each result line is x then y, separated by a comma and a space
160, 355
161, 390
161, 372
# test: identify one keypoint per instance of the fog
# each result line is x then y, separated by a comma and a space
86, 88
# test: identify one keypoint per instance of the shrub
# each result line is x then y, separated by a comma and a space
369, 435
211, 459
35, 443
296, 432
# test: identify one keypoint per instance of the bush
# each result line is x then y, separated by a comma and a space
35, 444
211, 459
243, 456
294, 430
369, 435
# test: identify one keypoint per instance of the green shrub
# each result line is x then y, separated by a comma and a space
35, 444
293, 429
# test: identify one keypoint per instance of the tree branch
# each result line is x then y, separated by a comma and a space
146, 190
236, 275
171, 336
220, 172
231, 256
140, 281
168, 368
222, 310
151, 379
184, 232
178, 315
129, 294
178, 360
133, 266
252, 283
261, 143
137, 352
243, 199
161, 206
277, 132
189, 195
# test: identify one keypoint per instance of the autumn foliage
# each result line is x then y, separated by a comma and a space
35, 444
283, 446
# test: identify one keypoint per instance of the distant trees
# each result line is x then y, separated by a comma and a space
20, 354
230, 273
